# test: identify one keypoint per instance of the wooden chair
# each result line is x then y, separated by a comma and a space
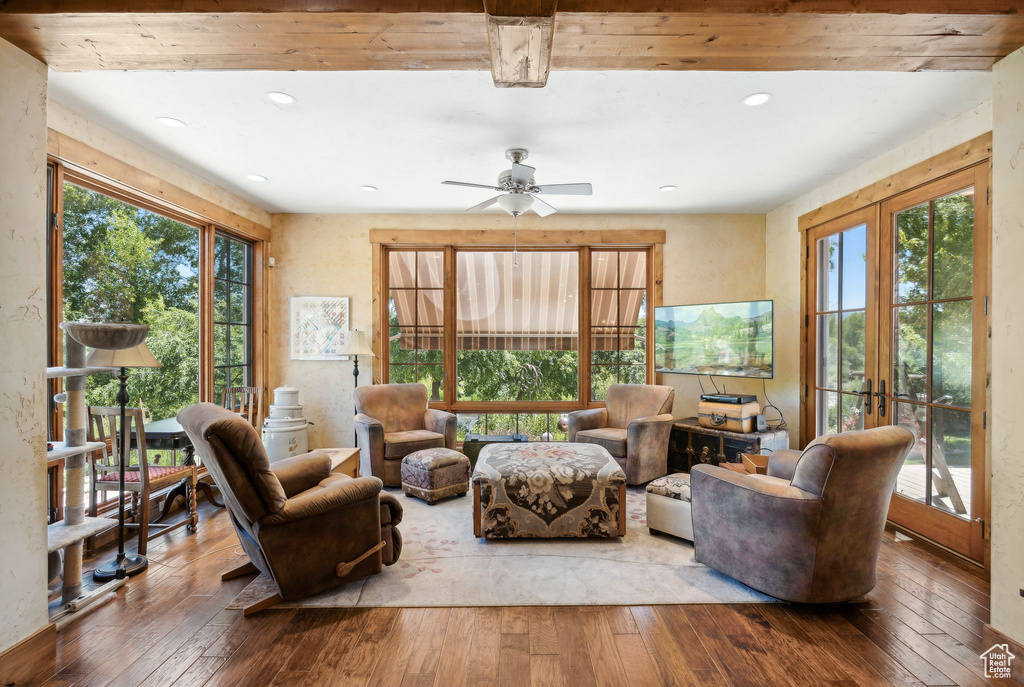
141, 480
247, 401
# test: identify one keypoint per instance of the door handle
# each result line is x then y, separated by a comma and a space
881, 397
867, 397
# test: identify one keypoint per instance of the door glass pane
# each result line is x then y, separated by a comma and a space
828, 273
912, 254
954, 245
855, 267
828, 412
951, 461
912, 478
828, 351
951, 353
853, 374
851, 410
910, 353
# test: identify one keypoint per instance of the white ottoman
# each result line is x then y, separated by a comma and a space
668, 506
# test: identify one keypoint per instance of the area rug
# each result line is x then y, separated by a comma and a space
443, 564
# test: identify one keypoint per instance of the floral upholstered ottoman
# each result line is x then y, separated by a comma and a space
548, 490
435, 473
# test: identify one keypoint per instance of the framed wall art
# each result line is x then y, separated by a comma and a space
319, 325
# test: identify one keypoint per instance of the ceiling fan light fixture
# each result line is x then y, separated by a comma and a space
515, 204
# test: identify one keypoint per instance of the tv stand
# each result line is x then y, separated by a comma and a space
690, 444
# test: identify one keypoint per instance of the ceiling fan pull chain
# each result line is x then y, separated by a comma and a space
515, 242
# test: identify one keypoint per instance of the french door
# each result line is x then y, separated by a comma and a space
897, 300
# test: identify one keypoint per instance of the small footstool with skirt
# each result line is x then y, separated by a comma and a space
668, 506
435, 473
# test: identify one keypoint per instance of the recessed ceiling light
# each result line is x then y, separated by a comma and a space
668, 189
171, 122
368, 188
280, 98
256, 177
755, 99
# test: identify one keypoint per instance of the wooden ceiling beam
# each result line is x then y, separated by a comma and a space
460, 41
766, 7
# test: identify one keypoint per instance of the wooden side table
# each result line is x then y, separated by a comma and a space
344, 461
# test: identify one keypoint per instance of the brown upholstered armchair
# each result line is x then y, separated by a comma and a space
810, 529
304, 528
634, 426
393, 421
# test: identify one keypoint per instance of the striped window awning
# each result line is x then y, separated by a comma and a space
533, 305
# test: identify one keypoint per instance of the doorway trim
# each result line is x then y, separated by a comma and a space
870, 201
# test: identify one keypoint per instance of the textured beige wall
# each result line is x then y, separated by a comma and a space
784, 243
1007, 454
23, 363
707, 258
78, 127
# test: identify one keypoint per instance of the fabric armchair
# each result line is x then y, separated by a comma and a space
809, 531
634, 426
306, 529
393, 421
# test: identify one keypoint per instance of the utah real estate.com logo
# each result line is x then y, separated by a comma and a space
997, 661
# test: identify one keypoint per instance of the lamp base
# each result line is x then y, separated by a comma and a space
123, 566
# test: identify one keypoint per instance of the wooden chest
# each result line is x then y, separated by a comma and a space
690, 444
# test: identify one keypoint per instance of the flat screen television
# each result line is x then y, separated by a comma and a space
720, 339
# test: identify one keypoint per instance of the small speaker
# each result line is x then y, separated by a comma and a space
762, 423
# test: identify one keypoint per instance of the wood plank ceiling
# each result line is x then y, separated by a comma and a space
756, 35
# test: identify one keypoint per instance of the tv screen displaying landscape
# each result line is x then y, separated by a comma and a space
721, 339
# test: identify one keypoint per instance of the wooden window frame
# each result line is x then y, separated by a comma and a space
384, 241
77, 163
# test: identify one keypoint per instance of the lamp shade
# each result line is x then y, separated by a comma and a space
356, 344
139, 356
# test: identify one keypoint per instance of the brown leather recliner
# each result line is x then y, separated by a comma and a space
304, 528
809, 530
392, 421
634, 426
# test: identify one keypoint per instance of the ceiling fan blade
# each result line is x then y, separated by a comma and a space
541, 208
484, 205
466, 183
567, 189
521, 174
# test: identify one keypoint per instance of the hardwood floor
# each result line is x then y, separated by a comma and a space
920, 626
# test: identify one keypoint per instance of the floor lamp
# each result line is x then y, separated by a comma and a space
139, 356
355, 346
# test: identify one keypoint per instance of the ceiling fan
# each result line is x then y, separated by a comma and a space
518, 190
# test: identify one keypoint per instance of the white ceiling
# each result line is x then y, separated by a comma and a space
626, 132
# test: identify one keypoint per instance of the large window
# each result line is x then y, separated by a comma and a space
232, 313
517, 325
123, 262
512, 339
115, 254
